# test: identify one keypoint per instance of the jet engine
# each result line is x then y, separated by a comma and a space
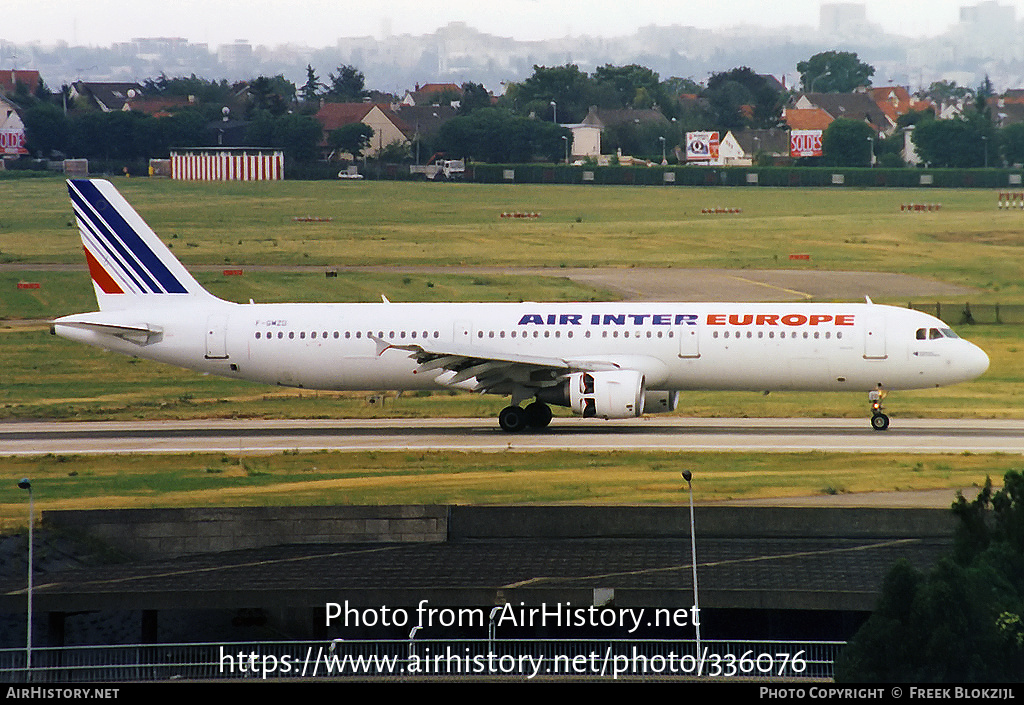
617, 394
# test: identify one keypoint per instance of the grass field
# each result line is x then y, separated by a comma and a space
470, 478
967, 242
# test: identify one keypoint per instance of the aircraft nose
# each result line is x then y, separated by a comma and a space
975, 361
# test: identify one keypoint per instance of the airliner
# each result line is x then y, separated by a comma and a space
610, 360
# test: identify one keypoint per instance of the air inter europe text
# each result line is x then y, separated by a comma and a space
687, 319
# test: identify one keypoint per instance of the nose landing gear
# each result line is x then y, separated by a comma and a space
879, 421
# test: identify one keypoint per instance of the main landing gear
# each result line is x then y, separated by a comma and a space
879, 421
514, 419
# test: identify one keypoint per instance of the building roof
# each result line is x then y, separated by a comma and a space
429, 93
335, 115
853, 106
108, 96
806, 118
9, 79
775, 142
896, 100
602, 117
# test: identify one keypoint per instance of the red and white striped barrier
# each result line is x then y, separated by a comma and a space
1011, 199
227, 166
919, 207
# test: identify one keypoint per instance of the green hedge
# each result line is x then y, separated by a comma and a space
744, 176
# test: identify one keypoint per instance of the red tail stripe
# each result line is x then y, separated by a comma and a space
99, 275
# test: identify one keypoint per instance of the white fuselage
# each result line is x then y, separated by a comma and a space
677, 346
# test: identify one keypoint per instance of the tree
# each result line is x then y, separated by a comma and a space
47, 130
349, 86
957, 143
298, 135
273, 95
1012, 139
847, 142
474, 97
945, 92
353, 138
497, 136
834, 72
569, 88
962, 622
729, 92
310, 90
630, 86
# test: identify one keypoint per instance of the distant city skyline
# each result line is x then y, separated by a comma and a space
318, 23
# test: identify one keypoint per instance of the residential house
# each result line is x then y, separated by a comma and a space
1007, 113
854, 106
895, 101
12, 130
806, 118
9, 80
106, 96
387, 126
586, 142
604, 118
743, 147
432, 94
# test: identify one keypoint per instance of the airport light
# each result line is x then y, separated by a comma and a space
24, 484
687, 475
492, 629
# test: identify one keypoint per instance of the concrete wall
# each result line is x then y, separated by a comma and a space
177, 532
166, 533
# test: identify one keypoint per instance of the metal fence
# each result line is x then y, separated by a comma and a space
966, 313
426, 659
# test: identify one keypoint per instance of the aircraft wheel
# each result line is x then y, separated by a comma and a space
879, 422
512, 419
538, 414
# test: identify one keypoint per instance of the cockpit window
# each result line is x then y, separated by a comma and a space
934, 333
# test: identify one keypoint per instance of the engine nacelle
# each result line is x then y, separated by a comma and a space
617, 394
660, 402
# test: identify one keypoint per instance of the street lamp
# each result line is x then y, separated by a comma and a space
566, 139
984, 138
664, 161
554, 111
871, 143
24, 484
687, 475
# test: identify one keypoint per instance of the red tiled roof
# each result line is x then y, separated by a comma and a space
335, 115
807, 119
8, 79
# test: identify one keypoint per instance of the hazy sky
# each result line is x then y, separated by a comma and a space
321, 22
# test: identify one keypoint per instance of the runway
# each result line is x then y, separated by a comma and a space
483, 435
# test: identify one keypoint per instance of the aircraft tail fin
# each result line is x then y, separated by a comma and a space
129, 265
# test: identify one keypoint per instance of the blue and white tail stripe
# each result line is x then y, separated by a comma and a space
129, 259
128, 263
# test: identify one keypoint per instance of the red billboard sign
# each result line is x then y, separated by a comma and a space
805, 143
12, 141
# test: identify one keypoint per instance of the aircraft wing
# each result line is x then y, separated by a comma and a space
493, 371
